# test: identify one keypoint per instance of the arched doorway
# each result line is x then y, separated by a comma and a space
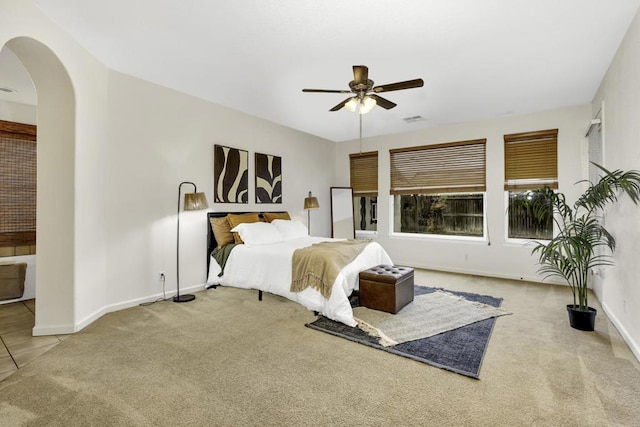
55, 253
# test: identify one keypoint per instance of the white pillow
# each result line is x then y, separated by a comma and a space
257, 233
290, 229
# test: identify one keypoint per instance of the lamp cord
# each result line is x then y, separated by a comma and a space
164, 293
162, 276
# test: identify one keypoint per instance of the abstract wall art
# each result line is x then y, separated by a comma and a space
268, 178
230, 175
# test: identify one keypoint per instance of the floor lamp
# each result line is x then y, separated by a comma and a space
192, 202
310, 203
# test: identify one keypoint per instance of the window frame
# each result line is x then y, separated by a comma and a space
462, 181
519, 241
364, 192
549, 135
445, 237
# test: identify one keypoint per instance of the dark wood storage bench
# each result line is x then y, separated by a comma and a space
386, 288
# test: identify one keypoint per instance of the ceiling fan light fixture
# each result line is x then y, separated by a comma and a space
366, 94
367, 104
352, 104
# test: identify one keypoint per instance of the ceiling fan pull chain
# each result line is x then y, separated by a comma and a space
360, 115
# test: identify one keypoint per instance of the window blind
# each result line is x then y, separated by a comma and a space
364, 174
17, 188
595, 153
531, 160
453, 167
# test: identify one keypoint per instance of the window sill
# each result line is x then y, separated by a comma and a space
438, 237
367, 232
523, 243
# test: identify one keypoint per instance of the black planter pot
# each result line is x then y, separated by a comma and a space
582, 320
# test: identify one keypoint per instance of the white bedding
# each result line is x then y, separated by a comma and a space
268, 268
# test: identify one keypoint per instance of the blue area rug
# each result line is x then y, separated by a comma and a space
460, 350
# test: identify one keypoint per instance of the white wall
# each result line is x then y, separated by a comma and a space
499, 259
113, 155
71, 260
17, 112
159, 138
618, 290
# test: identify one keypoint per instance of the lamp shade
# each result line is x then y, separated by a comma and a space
352, 105
195, 201
361, 105
367, 104
311, 202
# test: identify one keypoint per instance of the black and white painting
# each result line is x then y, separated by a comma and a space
230, 175
268, 178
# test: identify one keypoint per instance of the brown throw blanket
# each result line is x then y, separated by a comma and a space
318, 265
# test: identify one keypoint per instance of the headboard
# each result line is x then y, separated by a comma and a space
211, 239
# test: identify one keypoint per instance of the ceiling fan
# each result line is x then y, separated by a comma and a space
366, 93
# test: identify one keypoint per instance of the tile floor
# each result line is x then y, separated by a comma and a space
17, 346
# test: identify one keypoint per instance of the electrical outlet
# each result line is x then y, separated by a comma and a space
162, 275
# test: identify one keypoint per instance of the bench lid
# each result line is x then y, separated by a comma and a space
386, 273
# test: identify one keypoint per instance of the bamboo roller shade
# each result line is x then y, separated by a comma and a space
453, 167
17, 188
364, 174
531, 160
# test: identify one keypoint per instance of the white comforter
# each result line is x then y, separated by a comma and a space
268, 268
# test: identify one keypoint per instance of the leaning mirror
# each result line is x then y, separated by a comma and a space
342, 221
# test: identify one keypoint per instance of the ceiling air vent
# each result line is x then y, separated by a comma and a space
413, 119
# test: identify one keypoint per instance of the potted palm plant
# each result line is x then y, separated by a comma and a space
582, 242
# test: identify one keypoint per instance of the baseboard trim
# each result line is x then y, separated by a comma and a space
134, 302
78, 326
633, 346
535, 279
39, 331
90, 319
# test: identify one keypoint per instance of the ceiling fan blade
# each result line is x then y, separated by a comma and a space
339, 106
384, 103
326, 91
360, 74
409, 84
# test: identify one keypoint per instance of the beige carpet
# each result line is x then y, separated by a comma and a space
227, 359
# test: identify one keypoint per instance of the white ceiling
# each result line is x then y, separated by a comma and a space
14, 77
479, 58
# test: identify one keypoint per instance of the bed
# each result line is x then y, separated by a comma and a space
268, 267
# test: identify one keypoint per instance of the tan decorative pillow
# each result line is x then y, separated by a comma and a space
270, 216
222, 231
236, 219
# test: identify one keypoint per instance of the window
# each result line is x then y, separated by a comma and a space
596, 155
17, 189
364, 181
439, 189
444, 214
531, 162
595, 150
522, 223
